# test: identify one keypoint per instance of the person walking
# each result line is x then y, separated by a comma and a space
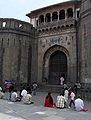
66, 95
34, 88
72, 98
77, 87
62, 80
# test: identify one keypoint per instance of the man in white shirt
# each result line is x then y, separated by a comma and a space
27, 99
61, 81
79, 104
14, 96
24, 93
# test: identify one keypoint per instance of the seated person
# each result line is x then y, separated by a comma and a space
60, 101
14, 96
79, 105
49, 101
1, 94
27, 99
23, 92
0, 88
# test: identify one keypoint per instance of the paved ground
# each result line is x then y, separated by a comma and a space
36, 111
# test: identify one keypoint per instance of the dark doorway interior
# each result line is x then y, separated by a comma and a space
57, 67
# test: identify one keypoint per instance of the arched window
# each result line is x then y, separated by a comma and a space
41, 19
62, 14
36, 22
48, 17
70, 13
54, 16
78, 13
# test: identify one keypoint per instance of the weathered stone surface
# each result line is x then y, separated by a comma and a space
27, 52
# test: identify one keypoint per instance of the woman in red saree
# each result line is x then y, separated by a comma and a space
49, 101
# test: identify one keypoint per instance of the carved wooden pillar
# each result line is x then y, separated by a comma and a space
51, 17
66, 14
58, 15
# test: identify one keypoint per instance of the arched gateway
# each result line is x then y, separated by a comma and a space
56, 63
57, 67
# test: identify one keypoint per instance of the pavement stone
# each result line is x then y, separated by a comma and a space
19, 111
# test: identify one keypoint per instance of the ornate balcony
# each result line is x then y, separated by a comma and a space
62, 23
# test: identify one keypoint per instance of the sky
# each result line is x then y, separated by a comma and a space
19, 8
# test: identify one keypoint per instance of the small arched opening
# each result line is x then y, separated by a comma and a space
48, 17
54, 16
62, 14
41, 19
70, 13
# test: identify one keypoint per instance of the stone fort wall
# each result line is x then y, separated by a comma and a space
16, 39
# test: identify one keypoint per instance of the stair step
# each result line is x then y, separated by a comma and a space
50, 88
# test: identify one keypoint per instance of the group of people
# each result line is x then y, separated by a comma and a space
65, 100
24, 94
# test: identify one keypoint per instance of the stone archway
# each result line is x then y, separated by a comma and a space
51, 69
57, 67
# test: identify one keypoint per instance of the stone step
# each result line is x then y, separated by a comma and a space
50, 88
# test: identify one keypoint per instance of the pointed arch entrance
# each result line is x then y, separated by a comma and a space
55, 64
57, 67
